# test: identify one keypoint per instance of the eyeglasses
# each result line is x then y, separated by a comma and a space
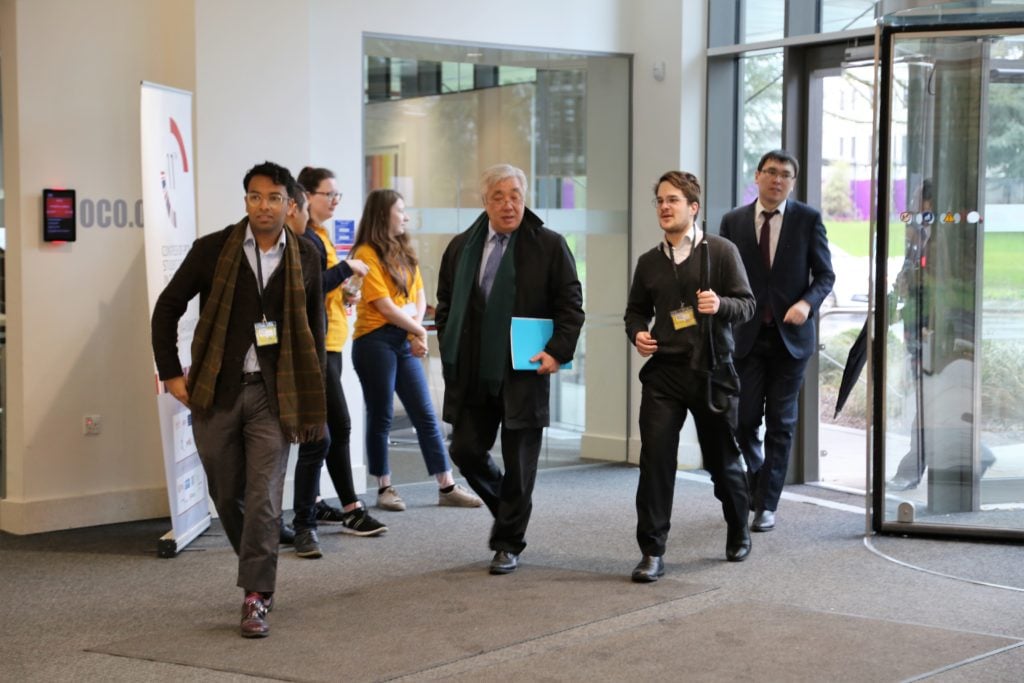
331, 196
776, 173
274, 199
671, 200
501, 200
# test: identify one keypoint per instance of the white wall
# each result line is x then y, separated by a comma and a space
271, 81
77, 328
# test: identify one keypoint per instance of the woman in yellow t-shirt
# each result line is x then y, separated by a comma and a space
388, 341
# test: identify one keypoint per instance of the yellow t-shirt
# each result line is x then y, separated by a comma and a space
334, 301
376, 285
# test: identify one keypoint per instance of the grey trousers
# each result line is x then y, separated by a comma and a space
245, 454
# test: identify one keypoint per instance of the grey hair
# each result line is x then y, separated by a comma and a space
495, 174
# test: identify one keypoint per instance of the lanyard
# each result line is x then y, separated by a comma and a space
259, 278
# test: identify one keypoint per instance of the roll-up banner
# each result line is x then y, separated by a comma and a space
169, 211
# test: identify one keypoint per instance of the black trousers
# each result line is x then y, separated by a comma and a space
508, 495
670, 391
333, 449
770, 381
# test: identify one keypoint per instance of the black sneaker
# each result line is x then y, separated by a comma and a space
360, 523
307, 544
327, 514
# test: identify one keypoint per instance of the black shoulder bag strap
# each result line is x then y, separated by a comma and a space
708, 322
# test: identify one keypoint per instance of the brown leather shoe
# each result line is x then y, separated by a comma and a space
254, 616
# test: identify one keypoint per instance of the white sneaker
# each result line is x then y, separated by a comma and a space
388, 499
459, 497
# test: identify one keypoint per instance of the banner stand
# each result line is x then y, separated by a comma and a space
168, 204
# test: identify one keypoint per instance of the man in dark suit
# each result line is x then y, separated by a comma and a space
785, 252
506, 264
256, 379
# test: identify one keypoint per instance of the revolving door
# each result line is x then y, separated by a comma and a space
947, 341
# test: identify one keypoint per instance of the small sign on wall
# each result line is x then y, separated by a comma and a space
344, 236
59, 219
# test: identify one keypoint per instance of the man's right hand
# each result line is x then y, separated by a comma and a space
645, 344
177, 388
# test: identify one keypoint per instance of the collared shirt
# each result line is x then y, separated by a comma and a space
268, 263
775, 224
489, 246
682, 252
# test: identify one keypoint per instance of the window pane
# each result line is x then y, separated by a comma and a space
760, 113
843, 15
763, 20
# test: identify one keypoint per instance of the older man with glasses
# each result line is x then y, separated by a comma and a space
506, 264
256, 380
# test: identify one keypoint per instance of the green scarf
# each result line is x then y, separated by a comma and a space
494, 334
300, 388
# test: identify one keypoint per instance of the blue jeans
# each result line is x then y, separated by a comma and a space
384, 362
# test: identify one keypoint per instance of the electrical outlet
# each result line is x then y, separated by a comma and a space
92, 425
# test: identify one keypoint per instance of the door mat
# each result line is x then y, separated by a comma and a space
405, 625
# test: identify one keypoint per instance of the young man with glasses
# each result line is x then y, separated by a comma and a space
786, 254
668, 289
256, 380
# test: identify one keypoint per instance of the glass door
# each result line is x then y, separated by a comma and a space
840, 137
948, 346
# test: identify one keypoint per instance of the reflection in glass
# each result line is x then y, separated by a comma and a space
762, 20
844, 15
761, 114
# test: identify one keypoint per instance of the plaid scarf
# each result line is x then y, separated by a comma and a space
300, 388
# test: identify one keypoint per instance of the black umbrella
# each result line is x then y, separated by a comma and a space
855, 361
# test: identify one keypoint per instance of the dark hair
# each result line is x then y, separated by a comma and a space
279, 175
395, 251
298, 195
311, 177
782, 156
686, 183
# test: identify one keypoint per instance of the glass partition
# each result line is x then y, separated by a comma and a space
948, 342
564, 119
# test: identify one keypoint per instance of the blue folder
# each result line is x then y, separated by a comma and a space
529, 337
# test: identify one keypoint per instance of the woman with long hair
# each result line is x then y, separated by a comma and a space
388, 342
321, 191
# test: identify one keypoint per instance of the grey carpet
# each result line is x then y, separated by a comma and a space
730, 643
419, 622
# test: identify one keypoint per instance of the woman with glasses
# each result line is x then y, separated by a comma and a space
321, 190
388, 342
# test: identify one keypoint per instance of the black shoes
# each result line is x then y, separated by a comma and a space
307, 544
649, 569
764, 520
327, 514
287, 534
504, 562
737, 544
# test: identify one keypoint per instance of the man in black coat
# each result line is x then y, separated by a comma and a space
506, 264
256, 379
785, 252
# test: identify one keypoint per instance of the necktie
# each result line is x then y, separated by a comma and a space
764, 242
491, 266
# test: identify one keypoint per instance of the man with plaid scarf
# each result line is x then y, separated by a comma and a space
256, 381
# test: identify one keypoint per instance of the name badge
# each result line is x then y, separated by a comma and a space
683, 317
266, 333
